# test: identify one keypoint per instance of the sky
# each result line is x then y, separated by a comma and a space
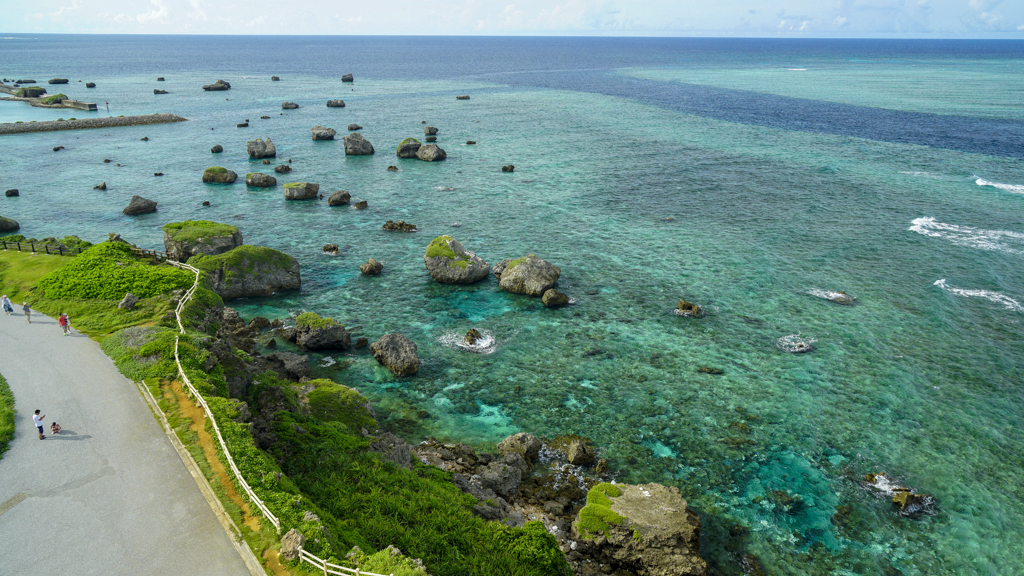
750, 18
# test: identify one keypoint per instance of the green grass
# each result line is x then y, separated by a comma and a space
313, 320
110, 270
217, 170
56, 98
295, 185
6, 415
192, 230
439, 247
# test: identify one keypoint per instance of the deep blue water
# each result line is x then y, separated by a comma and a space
751, 176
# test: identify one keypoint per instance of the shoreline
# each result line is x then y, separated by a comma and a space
108, 122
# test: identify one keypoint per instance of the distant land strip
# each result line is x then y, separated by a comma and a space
20, 128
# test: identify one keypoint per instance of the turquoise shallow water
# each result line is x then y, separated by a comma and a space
920, 378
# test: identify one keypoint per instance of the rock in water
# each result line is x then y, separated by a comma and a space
686, 308
346, 78
392, 168
100, 186
249, 271
90, 84
430, 131
58, 81
128, 302
400, 226
579, 453
260, 180
217, 149
371, 268
218, 85
530, 275
330, 248
643, 529
8, 225
361, 205
449, 263
508, 168
157, 91
183, 240
339, 198
139, 205
337, 103
396, 353
289, 105
282, 169
472, 335
431, 153
408, 148
462, 97
219, 175
259, 149
11, 192
274, 79
354, 127
356, 145
526, 445
553, 298
322, 132
315, 333
301, 190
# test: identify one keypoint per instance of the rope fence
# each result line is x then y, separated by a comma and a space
304, 556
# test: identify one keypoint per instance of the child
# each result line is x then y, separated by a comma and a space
54, 428
64, 323
7, 304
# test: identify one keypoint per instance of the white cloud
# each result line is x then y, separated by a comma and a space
153, 14
198, 12
56, 15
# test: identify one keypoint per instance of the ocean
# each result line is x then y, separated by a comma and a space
754, 177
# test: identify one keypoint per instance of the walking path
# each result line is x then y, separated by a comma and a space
109, 494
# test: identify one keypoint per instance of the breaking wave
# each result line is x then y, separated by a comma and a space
1004, 300
1014, 188
1000, 240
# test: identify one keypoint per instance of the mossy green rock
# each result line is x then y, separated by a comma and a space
449, 263
249, 271
219, 175
329, 401
315, 333
301, 190
530, 275
260, 180
407, 148
646, 529
183, 240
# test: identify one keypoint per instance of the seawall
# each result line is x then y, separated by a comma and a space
108, 122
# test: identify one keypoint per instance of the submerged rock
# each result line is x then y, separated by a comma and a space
396, 353
157, 91
462, 97
449, 263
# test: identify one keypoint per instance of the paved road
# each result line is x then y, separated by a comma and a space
108, 495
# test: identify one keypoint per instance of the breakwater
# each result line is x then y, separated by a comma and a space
49, 126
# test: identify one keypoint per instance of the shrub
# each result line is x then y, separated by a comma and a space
191, 230
6, 415
439, 247
110, 270
313, 320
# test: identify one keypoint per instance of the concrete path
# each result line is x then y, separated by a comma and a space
108, 495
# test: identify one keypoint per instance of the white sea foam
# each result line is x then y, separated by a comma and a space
795, 343
840, 297
1006, 301
1000, 240
485, 344
797, 69
1014, 188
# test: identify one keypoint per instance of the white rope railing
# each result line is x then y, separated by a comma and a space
209, 414
328, 568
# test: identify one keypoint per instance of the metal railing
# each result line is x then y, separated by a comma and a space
304, 556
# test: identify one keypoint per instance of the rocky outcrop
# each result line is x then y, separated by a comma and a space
183, 240
288, 365
449, 263
431, 153
528, 275
429, 131
249, 271
553, 298
217, 149
291, 543
408, 148
337, 103
392, 449
361, 205
275, 78
11, 192
579, 452
315, 333
157, 91
260, 180
57, 81
371, 268
330, 249
646, 530
526, 445
508, 168
687, 308
282, 169
354, 127
323, 132
259, 148
347, 78
396, 353
339, 198
356, 145
399, 226
128, 302
139, 205
462, 97
301, 190
289, 105
472, 335
219, 175
218, 85
100, 186
8, 225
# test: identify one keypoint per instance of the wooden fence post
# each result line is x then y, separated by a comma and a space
32, 245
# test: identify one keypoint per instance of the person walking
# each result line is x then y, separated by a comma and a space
6, 302
64, 323
38, 421
28, 312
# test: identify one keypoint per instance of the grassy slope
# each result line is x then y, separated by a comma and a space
6, 415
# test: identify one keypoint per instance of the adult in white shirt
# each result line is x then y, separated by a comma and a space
38, 421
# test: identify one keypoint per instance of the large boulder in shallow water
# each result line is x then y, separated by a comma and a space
260, 180
336, 103
346, 78
183, 240
219, 175
259, 149
644, 529
339, 198
449, 263
58, 81
315, 333
301, 190
431, 153
289, 105
396, 353
528, 275
407, 148
249, 271
8, 225
323, 132
356, 145
139, 205
218, 85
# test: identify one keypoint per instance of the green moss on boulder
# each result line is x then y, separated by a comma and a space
248, 271
597, 516
439, 247
313, 320
329, 401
